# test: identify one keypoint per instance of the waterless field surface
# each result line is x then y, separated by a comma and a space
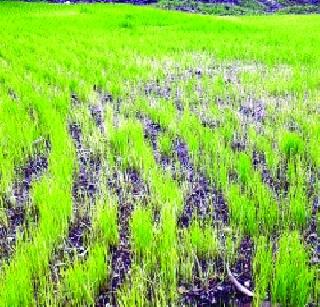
153, 158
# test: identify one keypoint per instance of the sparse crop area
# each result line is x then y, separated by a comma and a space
155, 158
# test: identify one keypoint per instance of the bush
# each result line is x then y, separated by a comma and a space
300, 10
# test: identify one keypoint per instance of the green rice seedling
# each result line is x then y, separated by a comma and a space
16, 140
243, 210
298, 205
3, 217
268, 212
45, 294
130, 135
186, 259
231, 246
166, 190
291, 144
262, 269
314, 149
219, 86
167, 253
203, 239
167, 117
265, 144
292, 275
165, 144
82, 281
231, 124
105, 222
244, 167
142, 231
189, 129
134, 291
199, 242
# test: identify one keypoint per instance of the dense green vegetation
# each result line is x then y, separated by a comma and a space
242, 7
219, 7
182, 157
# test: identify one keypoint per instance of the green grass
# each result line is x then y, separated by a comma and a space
48, 52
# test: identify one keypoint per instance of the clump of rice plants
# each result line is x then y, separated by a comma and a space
81, 281
244, 167
142, 231
203, 239
158, 158
292, 144
165, 144
292, 275
263, 266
